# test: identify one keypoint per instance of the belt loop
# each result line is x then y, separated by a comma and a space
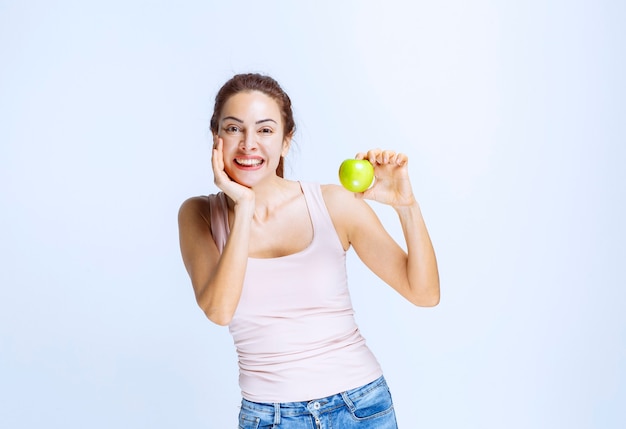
276, 413
347, 400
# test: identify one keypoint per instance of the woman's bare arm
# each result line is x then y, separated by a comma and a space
414, 273
217, 279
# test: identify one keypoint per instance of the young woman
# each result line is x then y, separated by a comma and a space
267, 255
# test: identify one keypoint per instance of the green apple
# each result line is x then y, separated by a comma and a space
356, 175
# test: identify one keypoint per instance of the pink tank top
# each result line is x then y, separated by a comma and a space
294, 327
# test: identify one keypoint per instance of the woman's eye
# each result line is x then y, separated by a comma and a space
266, 131
232, 129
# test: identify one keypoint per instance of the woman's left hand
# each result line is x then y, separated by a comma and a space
391, 184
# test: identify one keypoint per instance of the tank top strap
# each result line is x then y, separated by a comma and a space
320, 217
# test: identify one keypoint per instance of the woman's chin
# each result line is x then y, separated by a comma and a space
248, 178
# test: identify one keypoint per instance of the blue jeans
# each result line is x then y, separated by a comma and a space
365, 407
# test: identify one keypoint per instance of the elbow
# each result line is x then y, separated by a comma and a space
217, 313
430, 297
430, 301
425, 300
218, 316
220, 320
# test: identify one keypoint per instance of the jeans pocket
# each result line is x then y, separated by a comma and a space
247, 421
375, 403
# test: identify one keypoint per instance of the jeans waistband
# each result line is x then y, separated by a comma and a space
314, 406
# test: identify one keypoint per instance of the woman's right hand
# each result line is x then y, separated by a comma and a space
238, 193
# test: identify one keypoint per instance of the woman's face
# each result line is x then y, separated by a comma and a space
251, 127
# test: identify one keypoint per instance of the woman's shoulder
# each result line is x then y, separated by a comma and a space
337, 193
197, 202
339, 200
198, 207
332, 191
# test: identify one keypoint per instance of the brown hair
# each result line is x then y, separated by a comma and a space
256, 82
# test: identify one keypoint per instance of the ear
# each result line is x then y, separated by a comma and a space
286, 145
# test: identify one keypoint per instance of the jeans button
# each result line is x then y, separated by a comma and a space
316, 406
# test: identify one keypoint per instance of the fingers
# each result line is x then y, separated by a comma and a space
383, 157
217, 162
217, 159
401, 159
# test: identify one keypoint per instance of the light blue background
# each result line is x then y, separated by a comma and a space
513, 116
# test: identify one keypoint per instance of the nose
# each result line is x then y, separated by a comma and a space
248, 142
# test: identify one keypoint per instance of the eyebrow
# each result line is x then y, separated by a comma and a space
232, 118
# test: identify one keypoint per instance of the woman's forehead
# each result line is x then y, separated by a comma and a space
251, 104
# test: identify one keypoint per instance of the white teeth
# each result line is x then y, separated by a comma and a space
249, 162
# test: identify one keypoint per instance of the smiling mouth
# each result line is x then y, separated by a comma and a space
247, 162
